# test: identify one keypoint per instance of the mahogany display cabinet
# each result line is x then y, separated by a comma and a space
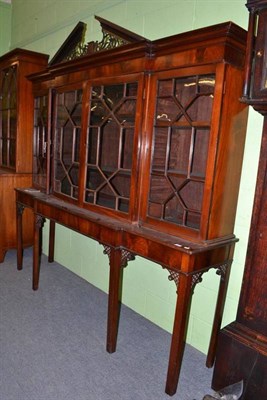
16, 118
139, 145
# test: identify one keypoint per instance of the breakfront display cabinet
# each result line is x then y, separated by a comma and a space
16, 106
139, 145
161, 149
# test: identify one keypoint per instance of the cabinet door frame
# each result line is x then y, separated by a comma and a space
37, 93
197, 234
131, 213
59, 91
8, 165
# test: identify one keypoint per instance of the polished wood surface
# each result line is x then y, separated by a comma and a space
8, 236
140, 148
242, 345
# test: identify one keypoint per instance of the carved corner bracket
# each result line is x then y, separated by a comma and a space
221, 270
39, 221
175, 276
126, 256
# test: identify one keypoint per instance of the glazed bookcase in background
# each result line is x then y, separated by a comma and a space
16, 113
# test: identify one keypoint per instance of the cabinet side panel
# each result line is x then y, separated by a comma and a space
230, 156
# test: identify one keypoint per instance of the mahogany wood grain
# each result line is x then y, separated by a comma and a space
8, 181
114, 299
242, 345
51, 249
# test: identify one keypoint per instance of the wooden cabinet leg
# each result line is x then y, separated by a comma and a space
184, 295
2, 255
224, 272
19, 210
51, 250
114, 299
37, 250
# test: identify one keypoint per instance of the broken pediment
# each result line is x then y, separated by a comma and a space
74, 46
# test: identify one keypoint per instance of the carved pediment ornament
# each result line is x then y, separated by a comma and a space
74, 46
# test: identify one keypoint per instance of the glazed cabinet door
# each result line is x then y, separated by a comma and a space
66, 137
41, 141
183, 124
8, 117
112, 145
94, 143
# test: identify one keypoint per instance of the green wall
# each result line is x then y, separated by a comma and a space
5, 27
43, 26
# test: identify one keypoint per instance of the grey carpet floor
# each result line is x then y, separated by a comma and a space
52, 343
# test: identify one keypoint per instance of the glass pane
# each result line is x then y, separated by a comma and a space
8, 117
193, 220
12, 153
180, 149
40, 140
5, 120
127, 148
167, 109
106, 197
125, 113
92, 145
200, 109
174, 211
94, 179
159, 148
191, 195
123, 205
4, 153
99, 113
201, 146
109, 139
121, 184
13, 124
160, 189
131, 89
67, 135
67, 142
110, 143
112, 95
